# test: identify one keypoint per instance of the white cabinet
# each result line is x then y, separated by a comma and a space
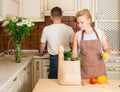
69, 7
9, 8
13, 86
22, 82
32, 9
1, 18
113, 68
89, 4
25, 79
41, 69
108, 18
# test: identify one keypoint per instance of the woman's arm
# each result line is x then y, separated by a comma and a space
104, 41
75, 45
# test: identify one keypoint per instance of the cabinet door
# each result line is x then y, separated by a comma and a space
89, 4
108, 18
29, 77
113, 68
69, 7
45, 68
25, 79
36, 71
0, 8
14, 86
22, 83
32, 9
40, 69
9, 8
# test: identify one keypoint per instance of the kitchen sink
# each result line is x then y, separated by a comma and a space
12, 55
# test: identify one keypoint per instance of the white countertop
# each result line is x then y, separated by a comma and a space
51, 85
9, 69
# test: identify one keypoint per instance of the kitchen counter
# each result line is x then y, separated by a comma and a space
9, 69
51, 85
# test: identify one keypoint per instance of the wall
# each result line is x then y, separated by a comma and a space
32, 41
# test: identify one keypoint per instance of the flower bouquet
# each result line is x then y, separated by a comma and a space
18, 27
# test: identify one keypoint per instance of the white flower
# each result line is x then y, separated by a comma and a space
5, 23
19, 24
16, 25
14, 19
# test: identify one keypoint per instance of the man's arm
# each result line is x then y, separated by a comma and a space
41, 49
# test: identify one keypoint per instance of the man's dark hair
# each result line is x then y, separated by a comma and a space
56, 12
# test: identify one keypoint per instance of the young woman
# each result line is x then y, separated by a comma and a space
89, 42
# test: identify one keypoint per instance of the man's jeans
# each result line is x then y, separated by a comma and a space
53, 67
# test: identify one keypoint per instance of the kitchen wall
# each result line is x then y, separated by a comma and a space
32, 41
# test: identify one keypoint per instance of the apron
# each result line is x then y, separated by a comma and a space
92, 62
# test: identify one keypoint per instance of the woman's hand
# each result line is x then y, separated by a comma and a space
106, 56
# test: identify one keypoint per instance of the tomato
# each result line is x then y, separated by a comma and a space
93, 80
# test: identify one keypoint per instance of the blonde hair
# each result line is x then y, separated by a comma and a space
86, 13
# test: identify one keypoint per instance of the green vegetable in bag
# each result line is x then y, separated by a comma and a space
67, 55
76, 58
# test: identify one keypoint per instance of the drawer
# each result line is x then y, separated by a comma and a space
45, 62
112, 64
116, 69
113, 75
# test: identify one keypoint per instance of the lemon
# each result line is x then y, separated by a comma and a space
105, 55
102, 79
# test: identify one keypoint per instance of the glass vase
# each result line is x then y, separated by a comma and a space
18, 53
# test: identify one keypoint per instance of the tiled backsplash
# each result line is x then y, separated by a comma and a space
32, 42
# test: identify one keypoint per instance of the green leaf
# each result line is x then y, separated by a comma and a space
67, 55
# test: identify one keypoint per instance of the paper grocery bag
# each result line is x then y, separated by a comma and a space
68, 71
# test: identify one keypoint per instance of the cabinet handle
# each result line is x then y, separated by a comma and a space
37, 68
111, 69
15, 79
117, 69
48, 69
42, 15
96, 15
37, 65
24, 68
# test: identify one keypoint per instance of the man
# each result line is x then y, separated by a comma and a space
54, 34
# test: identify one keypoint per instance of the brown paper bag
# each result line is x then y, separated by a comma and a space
68, 71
